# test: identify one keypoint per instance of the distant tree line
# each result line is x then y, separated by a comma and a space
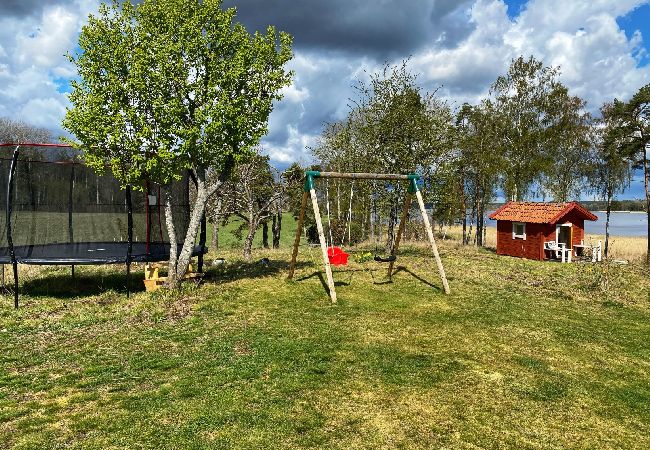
529, 138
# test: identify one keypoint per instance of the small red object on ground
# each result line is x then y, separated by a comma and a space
337, 256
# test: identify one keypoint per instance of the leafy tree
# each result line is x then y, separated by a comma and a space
634, 135
394, 127
612, 166
169, 86
527, 103
569, 142
477, 166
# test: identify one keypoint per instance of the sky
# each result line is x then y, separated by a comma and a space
456, 46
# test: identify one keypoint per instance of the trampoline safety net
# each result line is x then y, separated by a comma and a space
62, 212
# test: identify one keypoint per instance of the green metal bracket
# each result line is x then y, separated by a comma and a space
413, 183
309, 179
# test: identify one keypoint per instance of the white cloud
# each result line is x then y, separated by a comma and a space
598, 62
32, 62
294, 94
293, 149
46, 45
44, 111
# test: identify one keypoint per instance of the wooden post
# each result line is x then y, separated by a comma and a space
400, 231
296, 242
323, 245
600, 251
434, 247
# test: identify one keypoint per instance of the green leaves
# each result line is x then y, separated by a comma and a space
536, 118
170, 85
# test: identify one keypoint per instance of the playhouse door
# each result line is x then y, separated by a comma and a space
564, 235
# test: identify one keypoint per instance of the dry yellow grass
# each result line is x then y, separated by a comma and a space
631, 248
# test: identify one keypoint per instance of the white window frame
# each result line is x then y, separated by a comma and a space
514, 232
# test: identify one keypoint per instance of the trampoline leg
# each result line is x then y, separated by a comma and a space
15, 267
72, 272
128, 280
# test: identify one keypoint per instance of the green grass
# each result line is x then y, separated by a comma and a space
522, 354
229, 240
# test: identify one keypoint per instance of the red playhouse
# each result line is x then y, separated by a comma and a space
536, 230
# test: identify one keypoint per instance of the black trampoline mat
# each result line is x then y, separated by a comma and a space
81, 253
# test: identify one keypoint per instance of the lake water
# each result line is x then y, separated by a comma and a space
620, 224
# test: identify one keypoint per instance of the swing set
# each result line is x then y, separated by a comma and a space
333, 255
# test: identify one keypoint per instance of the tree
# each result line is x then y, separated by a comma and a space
394, 127
612, 166
570, 143
477, 165
169, 86
16, 131
252, 194
634, 133
528, 104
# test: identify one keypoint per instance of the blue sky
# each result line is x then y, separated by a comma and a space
456, 46
638, 20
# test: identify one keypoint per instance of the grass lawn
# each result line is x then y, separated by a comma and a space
522, 354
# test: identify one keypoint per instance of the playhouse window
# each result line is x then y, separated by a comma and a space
518, 230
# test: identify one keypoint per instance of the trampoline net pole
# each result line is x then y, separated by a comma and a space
70, 226
147, 216
10, 243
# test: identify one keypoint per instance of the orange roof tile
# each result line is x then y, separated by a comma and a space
538, 212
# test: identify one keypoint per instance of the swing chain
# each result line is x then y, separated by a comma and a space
329, 219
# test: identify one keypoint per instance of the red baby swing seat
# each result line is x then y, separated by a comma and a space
337, 257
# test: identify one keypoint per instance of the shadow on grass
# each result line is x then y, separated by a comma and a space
237, 270
416, 276
60, 285
323, 282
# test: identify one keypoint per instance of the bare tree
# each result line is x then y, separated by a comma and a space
252, 195
16, 131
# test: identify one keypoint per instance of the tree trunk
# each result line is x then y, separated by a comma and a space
371, 219
465, 238
265, 234
609, 210
173, 244
277, 228
192, 230
216, 218
480, 223
248, 242
214, 242
392, 220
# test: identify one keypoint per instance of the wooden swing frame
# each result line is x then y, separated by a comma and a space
413, 191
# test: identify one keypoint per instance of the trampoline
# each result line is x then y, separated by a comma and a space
58, 211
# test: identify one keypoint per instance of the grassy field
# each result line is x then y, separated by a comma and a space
522, 354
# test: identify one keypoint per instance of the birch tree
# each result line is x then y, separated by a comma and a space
611, 164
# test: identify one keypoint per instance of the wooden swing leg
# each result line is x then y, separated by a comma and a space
400, 231
323, 245
296, 242
434, 247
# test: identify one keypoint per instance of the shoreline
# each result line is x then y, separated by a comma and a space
627, 212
